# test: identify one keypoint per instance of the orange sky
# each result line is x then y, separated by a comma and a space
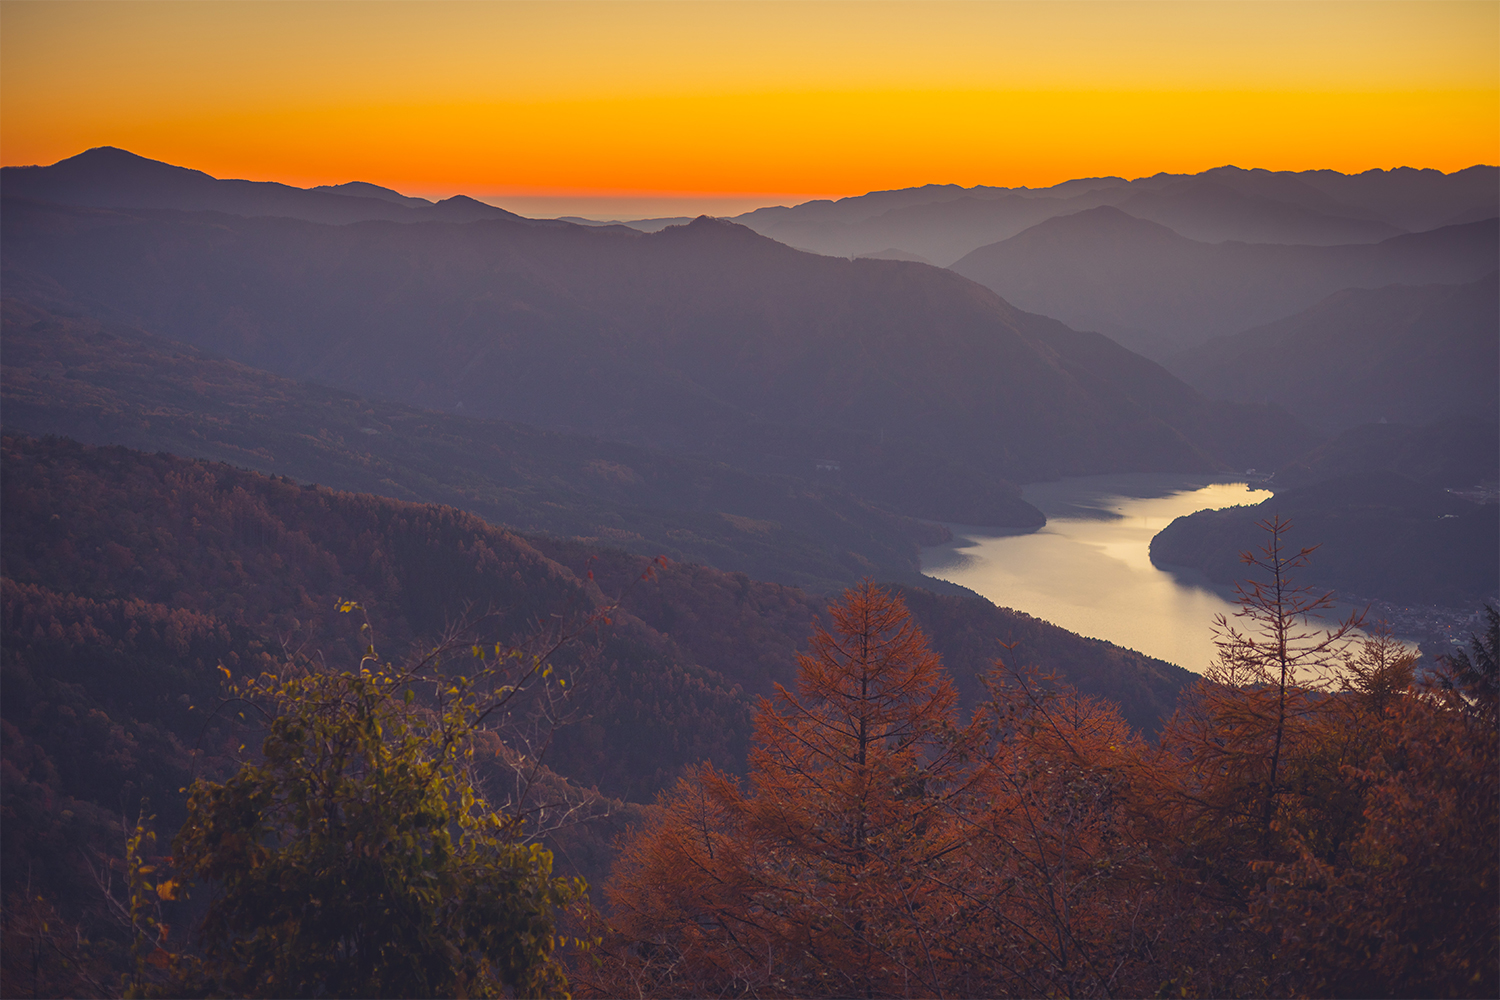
708, 106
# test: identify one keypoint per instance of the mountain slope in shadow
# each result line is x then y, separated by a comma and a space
1402, 354
106, 177
707, 338
103, 384
1378, 536
1455, 454
1159, 293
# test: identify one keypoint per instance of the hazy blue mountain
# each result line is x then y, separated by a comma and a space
939, 222
855, 208
644, 225
893, 253
1414, 199
1403, 354
1158, 292
1279, 186
940, 231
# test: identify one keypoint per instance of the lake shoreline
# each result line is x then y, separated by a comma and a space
1089, 570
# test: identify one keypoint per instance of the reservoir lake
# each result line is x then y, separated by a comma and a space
1089, 569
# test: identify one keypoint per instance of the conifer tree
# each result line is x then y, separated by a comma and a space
814, 881
1247, 718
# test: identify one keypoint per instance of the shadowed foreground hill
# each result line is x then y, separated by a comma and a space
1452, 454
104, 384
1379, 536
128, 578
704, 337
693, 604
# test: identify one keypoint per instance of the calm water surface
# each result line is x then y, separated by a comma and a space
1089, 570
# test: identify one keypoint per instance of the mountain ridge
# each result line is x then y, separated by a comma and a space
706, 337
110, 177
1158, 292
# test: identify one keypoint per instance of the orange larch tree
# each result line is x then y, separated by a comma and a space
817, 880
1409, 903
1238, 734
1057, 875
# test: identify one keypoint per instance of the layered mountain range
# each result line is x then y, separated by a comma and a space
925, 391
844, 394
110, 177
944, 222
1158, 292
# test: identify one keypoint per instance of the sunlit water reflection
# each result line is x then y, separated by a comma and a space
1089, 570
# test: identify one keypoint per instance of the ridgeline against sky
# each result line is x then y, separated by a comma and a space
637, 109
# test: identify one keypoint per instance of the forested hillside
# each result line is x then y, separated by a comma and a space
108, 384
1281, 840
130, 578
1378, 535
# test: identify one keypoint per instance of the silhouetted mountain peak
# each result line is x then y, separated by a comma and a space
721, 229
107, 177
461, 207
115, 157
103, 162
364, 189
463, 200
1104, 220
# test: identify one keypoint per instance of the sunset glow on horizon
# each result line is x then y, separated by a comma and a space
641, 106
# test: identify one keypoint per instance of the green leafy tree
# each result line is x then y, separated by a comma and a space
358, 855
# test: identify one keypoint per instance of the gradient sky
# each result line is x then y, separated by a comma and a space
660, 108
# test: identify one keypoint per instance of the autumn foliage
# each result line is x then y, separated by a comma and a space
1313, 822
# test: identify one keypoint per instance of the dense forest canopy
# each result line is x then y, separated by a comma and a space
1309, 824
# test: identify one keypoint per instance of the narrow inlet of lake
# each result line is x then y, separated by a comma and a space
1089, 570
